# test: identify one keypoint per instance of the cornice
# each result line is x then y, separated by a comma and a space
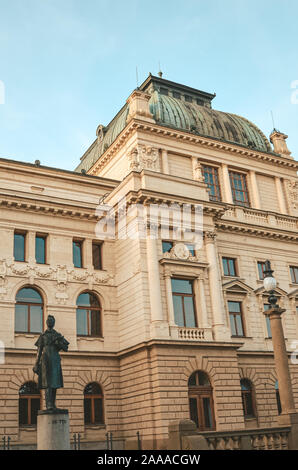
146, 197
253, 230
56, 209
136, 125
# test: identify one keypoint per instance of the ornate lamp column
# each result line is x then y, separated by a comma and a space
279, 345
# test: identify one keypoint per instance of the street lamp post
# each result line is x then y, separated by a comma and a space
279, 348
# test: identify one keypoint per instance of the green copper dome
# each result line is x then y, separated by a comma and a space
182, 108
188, 109
204, 121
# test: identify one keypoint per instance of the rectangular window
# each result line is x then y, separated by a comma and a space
183, 301
40, 249
235, 313
267, 307
294, 274
77, 247
96, 255
211, 179
229, 266
239, 189
261, 269
19, 246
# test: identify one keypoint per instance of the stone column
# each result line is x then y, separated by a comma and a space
171, 316
174, 329
30, 247
165, 162
255, 190
154, 280
281, 360
53, 430
159, 326
221, 332
227, 185
87, 255
280, 196
201, 303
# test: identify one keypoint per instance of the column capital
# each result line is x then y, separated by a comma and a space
210, 236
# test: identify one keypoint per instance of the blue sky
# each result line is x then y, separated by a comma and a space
69, 65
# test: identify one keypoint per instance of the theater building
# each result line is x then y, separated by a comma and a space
161, 326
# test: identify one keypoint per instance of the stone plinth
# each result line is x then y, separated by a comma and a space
53, 430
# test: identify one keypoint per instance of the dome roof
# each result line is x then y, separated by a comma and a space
181, 107
205, 121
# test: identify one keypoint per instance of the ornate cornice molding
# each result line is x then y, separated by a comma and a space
56, 209
224, 226
136, 125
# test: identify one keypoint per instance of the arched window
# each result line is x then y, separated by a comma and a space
279, 409
88, 315
201, 401
29, 404
28, 311
93, 404
248, 399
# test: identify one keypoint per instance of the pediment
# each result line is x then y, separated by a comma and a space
294, 293
277, 290
237, 286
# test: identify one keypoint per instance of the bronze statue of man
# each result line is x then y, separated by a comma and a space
48, 362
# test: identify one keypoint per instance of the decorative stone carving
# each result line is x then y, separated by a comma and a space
62, 274
43, 272
78, 276
210, 236
144, 157
103, 277
181, 251
198, 173
133, 158
148, 158
3, 269
293, 193
20, 270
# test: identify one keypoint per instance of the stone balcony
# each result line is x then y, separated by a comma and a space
270, 221
191, 334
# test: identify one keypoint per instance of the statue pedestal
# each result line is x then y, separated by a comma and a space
53, 430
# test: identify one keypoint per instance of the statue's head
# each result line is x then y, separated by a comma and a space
50, 321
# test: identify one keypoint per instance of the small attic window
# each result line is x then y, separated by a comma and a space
164, 91
200, 102
176, 94
188, 98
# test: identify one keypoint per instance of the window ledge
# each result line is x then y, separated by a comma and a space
27, 335
95, 426
90, 338
30, 428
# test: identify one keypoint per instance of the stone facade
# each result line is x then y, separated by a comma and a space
143, 359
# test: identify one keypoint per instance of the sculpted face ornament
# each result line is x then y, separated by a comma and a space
181, 251
48, 362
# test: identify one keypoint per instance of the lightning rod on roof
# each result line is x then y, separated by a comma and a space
160, 72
